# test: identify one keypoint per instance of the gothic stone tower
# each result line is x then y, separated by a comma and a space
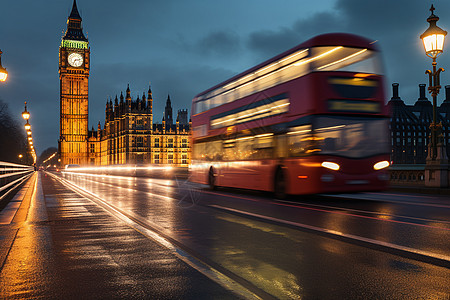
74, 82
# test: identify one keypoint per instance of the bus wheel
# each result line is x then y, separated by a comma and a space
280, 185
212, 179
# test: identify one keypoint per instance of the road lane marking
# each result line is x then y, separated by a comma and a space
211, 270
424, 256
371, 197
366, 212
277, 202
361, 216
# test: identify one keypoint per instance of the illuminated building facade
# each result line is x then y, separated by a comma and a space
410, 126
129, 135
74, 82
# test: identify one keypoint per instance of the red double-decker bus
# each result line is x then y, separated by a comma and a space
310, 120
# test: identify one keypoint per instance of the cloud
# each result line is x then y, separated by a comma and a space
219, 43
268, 43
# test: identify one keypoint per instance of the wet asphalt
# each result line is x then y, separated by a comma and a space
69, 248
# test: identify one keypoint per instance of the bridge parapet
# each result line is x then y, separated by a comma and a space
408, 175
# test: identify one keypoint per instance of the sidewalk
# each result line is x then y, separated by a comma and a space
59, 245
419, 190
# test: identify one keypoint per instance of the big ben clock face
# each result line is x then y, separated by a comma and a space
75, 59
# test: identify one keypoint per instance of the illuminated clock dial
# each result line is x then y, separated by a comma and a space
75, 59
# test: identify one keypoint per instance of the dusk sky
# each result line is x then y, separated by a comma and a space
184, 47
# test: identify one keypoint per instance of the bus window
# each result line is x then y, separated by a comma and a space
345, 59
263, 146
213, 151
355, 138
198, 151
300, 141
244, 148
281, 149
229, 149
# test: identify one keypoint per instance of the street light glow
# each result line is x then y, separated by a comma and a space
433, 38
27, 126
25, 113
3, 72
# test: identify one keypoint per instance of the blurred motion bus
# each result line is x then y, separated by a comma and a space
310, 120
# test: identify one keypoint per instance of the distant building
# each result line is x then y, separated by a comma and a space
130, 136
410, 126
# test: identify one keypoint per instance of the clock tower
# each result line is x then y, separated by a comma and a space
74, 82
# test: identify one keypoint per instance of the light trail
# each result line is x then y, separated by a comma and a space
336, 212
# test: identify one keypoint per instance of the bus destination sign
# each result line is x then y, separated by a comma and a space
358, 106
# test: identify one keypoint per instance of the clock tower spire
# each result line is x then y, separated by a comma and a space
74, 54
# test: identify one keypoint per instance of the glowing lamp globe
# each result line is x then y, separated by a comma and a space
27, 126
3, 72
433, 38
25, 113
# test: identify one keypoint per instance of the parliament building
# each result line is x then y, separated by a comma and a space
129, 134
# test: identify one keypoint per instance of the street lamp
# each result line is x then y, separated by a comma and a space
433, 42
25, 113
27, 126
3, 72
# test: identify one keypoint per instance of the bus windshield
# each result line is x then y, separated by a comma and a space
346, 137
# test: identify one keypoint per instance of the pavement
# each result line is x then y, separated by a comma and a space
419, 190
55, 244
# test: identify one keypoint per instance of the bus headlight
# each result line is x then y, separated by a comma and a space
330, 165
381, 165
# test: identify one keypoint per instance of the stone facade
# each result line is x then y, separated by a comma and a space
130, 136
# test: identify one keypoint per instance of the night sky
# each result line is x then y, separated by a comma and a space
184, 47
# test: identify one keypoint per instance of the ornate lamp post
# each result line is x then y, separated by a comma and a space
433, 42
3, 72
25, 113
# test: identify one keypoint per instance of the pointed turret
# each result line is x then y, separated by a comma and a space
138, 103
74, 29
99, 130
168, 111
108, 111
116, 107
149, 99
128, 98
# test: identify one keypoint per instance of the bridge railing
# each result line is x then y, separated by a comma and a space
407, 175
12, 175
